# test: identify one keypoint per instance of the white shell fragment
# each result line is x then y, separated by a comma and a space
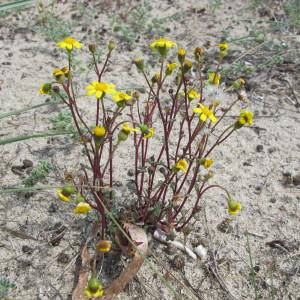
201, 252
161, 237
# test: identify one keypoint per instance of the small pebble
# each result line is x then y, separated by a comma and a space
178, 262
27, 249
272, 149
63, 258
259, 148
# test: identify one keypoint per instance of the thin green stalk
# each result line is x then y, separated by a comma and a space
22, 110
33, 136
15, 4
253, 275
28, 189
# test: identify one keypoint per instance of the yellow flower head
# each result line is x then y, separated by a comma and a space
192, 94
206, 163
170, 68
63, 197
100, 89
127, 129
162, 45
94, 288
182, 165
60, 73
99, 131
181, 55
120, 96
104, 246
69, 43
45, 88
245, 117
205, 113
234, 207
150, 133
82, 208
214, 78
223, 47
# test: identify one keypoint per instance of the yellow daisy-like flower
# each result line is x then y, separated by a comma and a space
245, 117
223, 47
205, 113
63, 197
181, 55
99, 131
207, 163
127, 129
82, 208
100, 89
69, 43
214, 78
57, 72
120, 96
94, 288
170, 68
104, 246
192, 94
234, 207
150, 133
182, 165
45, 88
162, 43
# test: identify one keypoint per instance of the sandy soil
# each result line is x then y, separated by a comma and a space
259, 165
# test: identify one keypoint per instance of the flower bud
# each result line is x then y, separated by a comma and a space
139, 62
181, 55
144, 128
199, 54
94, 284
104, 246
92, 48
155, 78
111, 46
187, 65
68, 190
238, 83
122, 136
99, 131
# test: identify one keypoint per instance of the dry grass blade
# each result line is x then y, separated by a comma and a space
83, 275
139, 236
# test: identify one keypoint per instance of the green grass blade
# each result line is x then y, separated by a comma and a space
15, 4
27, 189
33, 136
22, 110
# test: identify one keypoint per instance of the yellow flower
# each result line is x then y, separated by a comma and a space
181, 55
192, 94
233, 206
206, 163
150, 133
63, 197
99, 131
162, 43
69, 43
170, 68
127, 129
120, 96
45, 88
205, 113
82, 208
94, 288
104, 246
214, 78
57, 72
245, 117
182, 165
100, 89
223, 47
